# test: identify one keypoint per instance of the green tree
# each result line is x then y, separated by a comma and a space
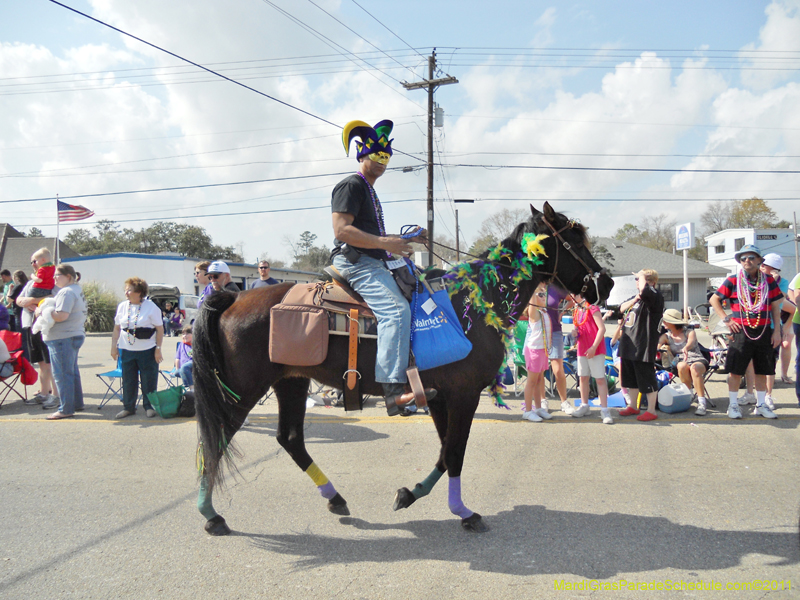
753, 212
601, 253
34, 232
164, 236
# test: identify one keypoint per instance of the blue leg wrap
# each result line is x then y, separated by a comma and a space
204, 504
454, 499
424, 488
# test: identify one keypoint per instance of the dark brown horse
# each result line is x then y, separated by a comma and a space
233, 371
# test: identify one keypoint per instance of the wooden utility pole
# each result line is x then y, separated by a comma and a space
431, 84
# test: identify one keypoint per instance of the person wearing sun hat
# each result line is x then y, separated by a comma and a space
361, 250
772, 265
754, 298
681, 341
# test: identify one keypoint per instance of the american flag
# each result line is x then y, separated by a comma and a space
72, 212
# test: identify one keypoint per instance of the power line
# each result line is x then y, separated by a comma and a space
389, 30
626, 169
344, 52
362, 37
199, 66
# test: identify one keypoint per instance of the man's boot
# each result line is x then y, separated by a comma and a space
396, 397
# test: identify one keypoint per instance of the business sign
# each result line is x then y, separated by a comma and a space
684, 236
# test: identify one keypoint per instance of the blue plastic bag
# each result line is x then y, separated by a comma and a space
436, 335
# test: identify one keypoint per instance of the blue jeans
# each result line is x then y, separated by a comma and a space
136, 364
64, 359
370, 278
185, 373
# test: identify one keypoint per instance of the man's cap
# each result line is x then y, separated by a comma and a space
218, 266
774, 260
745, 249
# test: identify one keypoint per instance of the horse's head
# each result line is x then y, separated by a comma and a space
568, 256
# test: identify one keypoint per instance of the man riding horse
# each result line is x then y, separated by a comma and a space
362, 249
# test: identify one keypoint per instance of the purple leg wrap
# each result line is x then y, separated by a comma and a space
454, 499
327, 490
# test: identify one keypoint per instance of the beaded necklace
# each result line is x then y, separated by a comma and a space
133, 314
376, 204
576, 313
752, 299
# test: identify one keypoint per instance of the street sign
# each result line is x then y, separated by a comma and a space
684, 236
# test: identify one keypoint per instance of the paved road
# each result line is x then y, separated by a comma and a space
97, 508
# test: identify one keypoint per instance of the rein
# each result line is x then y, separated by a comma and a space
590, 276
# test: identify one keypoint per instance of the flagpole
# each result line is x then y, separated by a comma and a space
58, 232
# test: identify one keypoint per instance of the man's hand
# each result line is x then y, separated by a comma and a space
776, 337
397, 245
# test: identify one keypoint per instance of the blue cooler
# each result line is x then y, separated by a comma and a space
674, 398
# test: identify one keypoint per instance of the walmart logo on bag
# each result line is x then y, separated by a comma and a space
430, 323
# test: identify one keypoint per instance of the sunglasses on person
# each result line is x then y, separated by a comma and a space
263, 268
214, 276
750, 257
199, 272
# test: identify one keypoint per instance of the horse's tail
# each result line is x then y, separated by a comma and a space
214, 413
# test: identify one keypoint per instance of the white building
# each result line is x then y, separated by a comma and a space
111, 270
724, 244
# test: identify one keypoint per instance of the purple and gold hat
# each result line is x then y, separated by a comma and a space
375, 143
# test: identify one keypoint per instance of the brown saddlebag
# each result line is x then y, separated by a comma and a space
298, 335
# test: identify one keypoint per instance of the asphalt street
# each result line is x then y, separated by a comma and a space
98, 508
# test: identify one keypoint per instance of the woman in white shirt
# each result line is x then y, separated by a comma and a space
138, 333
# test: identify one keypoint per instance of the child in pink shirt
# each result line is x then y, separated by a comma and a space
588, 322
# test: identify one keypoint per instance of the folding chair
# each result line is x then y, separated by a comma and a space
13, 341
113, 382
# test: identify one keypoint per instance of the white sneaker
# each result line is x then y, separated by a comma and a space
532, 416
567, 408
734, 412
582, 411
701, 409
606, 414
747, 399
769, 401
764, 411
545, 405
542, 412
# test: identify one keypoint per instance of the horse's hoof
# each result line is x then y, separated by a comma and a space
338, 506
474, 523
217, 526
403, 499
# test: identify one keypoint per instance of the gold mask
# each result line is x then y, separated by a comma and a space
380, 157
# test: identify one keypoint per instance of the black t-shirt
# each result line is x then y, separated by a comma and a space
639, 340
351, 196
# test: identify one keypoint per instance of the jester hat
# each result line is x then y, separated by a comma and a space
374, 140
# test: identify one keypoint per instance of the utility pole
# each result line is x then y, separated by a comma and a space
431, 84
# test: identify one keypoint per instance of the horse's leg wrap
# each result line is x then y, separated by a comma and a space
323, 484
454, 499
424, 488
204, 504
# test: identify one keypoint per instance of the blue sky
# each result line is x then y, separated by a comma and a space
584, 84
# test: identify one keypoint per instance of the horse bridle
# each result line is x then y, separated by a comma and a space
591, 275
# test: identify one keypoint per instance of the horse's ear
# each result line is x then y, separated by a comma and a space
534, 212
549, 213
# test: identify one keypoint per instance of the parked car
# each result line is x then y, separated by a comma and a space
187, 303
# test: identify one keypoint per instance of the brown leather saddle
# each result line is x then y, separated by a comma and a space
308, 314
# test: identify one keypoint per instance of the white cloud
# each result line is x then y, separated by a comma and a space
779, 35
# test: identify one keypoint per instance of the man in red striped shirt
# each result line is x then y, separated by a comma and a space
754, 298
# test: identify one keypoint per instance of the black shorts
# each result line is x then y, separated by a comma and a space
638, 375
37, 348
743, 349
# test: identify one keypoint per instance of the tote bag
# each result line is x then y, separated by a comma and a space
436, 335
